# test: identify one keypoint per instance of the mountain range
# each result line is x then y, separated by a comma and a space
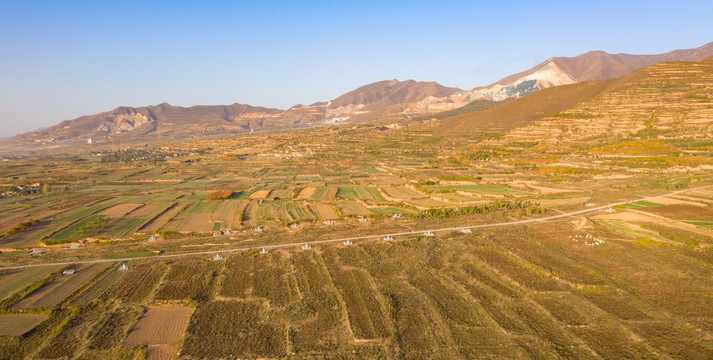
384, 99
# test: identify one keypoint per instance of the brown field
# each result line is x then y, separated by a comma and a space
402, 192
260, 194
232, 329
18, 324
119, 210
250, 214
98, 288
188, 279
306, 193
348, 208
324, 211
229, 213
14, 280
262, 277
160, 352
58, 289
162, 324
161, 219
144, 210
682, 212
138, 283
329, 194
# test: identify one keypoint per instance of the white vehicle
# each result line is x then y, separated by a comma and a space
466, 230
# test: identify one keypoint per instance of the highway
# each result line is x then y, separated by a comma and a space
353, 239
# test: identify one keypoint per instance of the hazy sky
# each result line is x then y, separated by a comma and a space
63, 59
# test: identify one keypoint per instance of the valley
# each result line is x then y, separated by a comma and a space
603, 193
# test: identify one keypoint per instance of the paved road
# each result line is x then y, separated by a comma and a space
367, 237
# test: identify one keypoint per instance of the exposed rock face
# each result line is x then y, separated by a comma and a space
125, 122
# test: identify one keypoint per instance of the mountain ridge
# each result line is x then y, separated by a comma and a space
386, 98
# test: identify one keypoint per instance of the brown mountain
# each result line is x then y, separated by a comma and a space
165, 120
386, 93
593, 65
162, 119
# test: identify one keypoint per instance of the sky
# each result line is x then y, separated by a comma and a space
63, 59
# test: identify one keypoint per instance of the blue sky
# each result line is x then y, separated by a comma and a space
63, 59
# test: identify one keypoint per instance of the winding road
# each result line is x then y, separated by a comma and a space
366, 237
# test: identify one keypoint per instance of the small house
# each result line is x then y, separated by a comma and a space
396, 216
328, 222
295, 226
428, 233
589, 204
74, 246
306, 247
68, 272
36, 251
362, 220
388, 238
610, 210
466, 230
347, 242
124, 267
217, 257
262, 251
153, 238
259, 229
227, 232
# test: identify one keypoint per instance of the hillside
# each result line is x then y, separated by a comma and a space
667, 100
390, 92
593, 65
676, 95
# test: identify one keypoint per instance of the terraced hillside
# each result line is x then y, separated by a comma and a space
667, 100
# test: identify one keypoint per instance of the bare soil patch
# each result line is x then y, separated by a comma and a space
160, 325
682, 212
119, 210
160, 352
18, 324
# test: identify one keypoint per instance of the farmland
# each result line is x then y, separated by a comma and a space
631, 281
160, 325
18, 324
60, 288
